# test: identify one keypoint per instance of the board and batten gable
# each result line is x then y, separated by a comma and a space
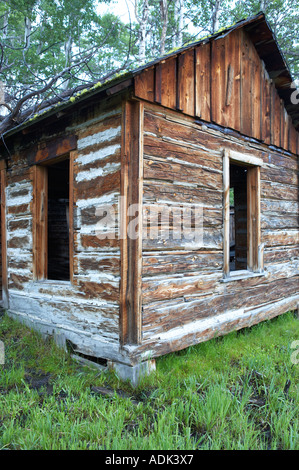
222, 81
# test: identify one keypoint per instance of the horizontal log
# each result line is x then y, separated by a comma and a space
280, 253
158, 147
280, 221
280, 237
270, 190
81, 316
169, 215
165, 240
98, 186
22, 242
180, 193
205, 329
94, 214
280, 175
181, 262
166, 289
100, 290
279, 207
165, 318
280, 161
87, 263
19, 210
170, 171
19, 224
18, 263
84, 242
102, 132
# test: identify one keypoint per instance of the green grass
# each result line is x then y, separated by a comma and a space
235, 392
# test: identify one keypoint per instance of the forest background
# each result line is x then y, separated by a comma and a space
51, 49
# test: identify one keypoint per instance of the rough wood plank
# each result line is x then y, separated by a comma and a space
218, 80
168, 83
226, 214
275, 117
256, 79
205, 329
55, 148
131, 190
71, 215
203, 82
40, 235
186, 83
266, 107
145, 84
253, 218
292, 139
246, 85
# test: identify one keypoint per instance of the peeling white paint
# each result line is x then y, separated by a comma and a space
94, 173
21, 271
18, 201
111, 198
32, 291
18, 254
100, 154
104, 136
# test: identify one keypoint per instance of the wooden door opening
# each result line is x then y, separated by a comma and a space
52, 221
58, 221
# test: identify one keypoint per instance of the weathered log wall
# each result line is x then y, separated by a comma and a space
183, 287
86, 310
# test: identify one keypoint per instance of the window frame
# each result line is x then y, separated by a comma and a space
40, 218
255, 264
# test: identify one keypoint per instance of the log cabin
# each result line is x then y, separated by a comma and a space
208, 135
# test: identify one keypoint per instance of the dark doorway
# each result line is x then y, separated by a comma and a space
58, 221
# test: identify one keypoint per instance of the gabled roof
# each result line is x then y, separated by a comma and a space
261, 36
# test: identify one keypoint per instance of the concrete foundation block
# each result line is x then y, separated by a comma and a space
60, 339
133, 373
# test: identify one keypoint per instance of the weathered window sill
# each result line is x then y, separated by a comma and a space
242, 274
51, 282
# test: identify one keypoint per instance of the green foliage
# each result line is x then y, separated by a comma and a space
283, 17
59, 32
228, 393
41, 38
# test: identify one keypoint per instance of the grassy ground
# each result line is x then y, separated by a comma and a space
235, 392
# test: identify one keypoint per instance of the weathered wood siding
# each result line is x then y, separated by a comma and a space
225, 82
183, 293
86, 310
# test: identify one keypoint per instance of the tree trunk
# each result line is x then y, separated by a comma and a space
177, 39
142, 20
164, 20
68, 58
27, 33
5, 25
215, 16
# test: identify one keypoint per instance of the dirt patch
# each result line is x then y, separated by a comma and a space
39, 381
